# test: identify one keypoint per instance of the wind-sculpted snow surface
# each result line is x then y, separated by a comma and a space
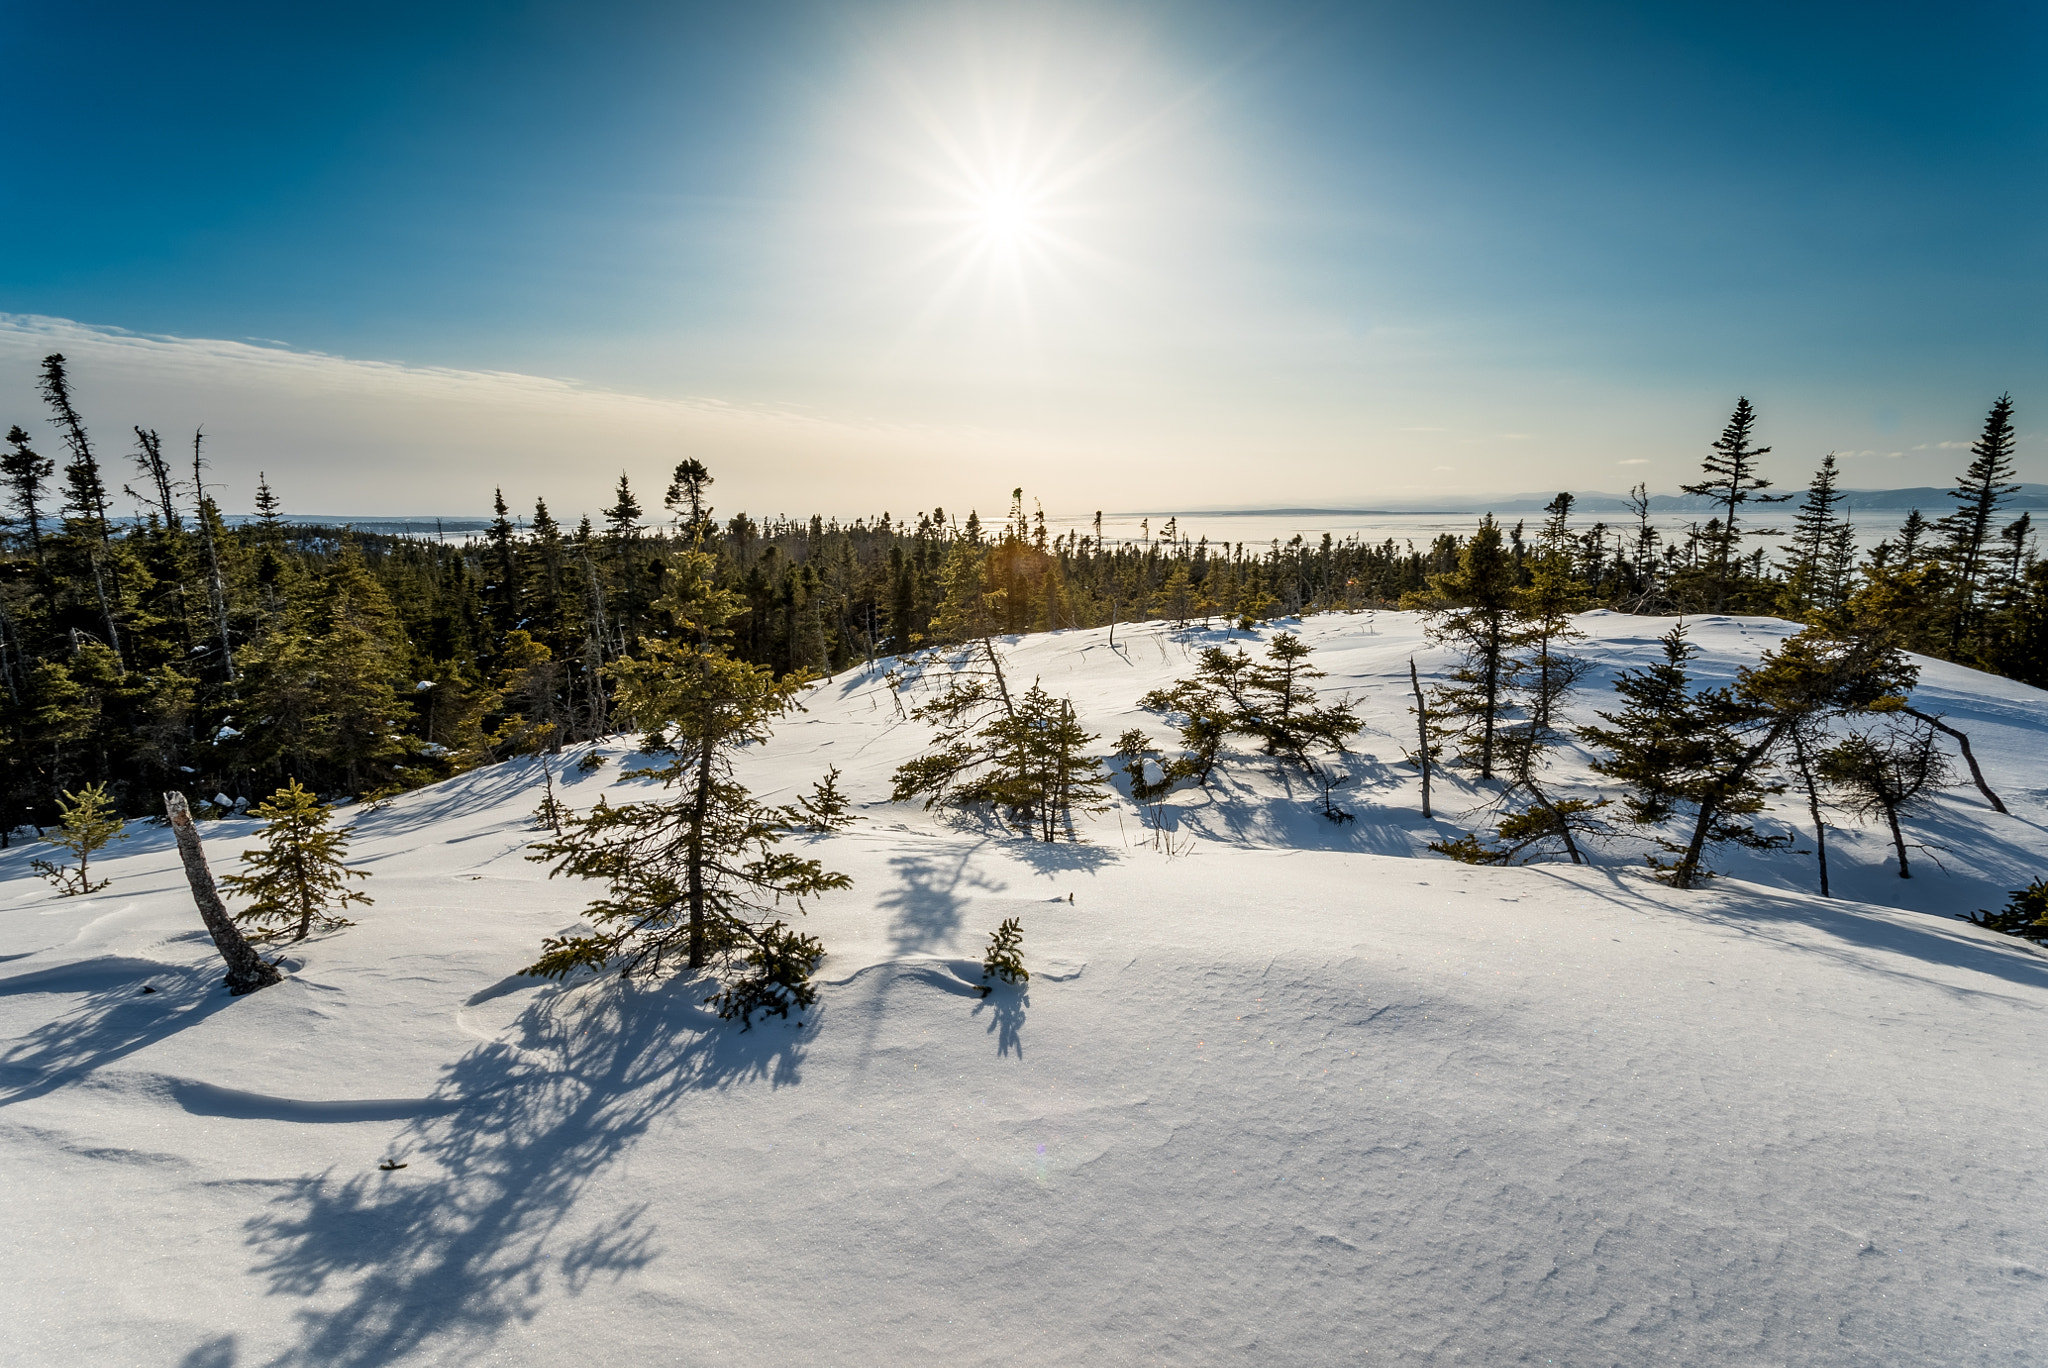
1303, 1094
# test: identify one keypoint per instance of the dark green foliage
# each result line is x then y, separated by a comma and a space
1730, 481
1004, 958
2025, 914
697, 873
1524, 836
1475, 610
778, 964
1028, 758
1273, 701
181, 651
1886, 771
298, 881
1707, 754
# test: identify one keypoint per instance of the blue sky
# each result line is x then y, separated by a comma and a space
1246, 253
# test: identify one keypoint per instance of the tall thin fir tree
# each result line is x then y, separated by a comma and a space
1967, 532
85, 495
25, 472
1814, 573
1731, 481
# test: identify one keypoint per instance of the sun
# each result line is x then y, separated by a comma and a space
1005, 216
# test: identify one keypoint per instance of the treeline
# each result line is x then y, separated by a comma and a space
172, 650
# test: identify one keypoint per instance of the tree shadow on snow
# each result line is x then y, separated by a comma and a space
114, 1019
927, 907
1006, 1005
1849, 932
477, 1231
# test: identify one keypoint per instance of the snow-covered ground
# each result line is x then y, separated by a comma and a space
1301, 1094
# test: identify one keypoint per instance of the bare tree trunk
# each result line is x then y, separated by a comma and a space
1820, 829
1891, 815
1422, 723
247, 970
1962, 741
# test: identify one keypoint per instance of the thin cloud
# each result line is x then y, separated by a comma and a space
349, 436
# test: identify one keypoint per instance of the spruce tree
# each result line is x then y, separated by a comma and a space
501, 539
24, 473
1966, 533
1815, 570
686, 491
826, 807
1705, 754
297, 879
269, 512
1004, 958
1731, 481
695, 874
1475, 610
2025, 914
1273, 701
88, 822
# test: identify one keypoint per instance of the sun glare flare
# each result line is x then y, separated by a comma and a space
1006, 216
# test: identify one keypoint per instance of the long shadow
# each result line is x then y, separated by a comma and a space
474, 1234
114, 1019
1849, 928
1006, 1006
926, 908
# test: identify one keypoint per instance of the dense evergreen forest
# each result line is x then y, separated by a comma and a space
173, 650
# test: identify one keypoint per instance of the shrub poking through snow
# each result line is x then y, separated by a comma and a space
1273, 701
2025, 914
89, 822
825, 807
590, 762
1004, 958
299, 882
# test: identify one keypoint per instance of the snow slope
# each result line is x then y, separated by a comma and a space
1294, 1096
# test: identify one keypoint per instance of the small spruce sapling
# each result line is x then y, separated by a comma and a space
552, 811
2025, 914
826, 807
89, 822
298, 874
1004, 958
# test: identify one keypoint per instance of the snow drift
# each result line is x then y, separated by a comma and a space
1302, 1094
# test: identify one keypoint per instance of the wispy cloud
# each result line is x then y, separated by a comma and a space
344, 435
